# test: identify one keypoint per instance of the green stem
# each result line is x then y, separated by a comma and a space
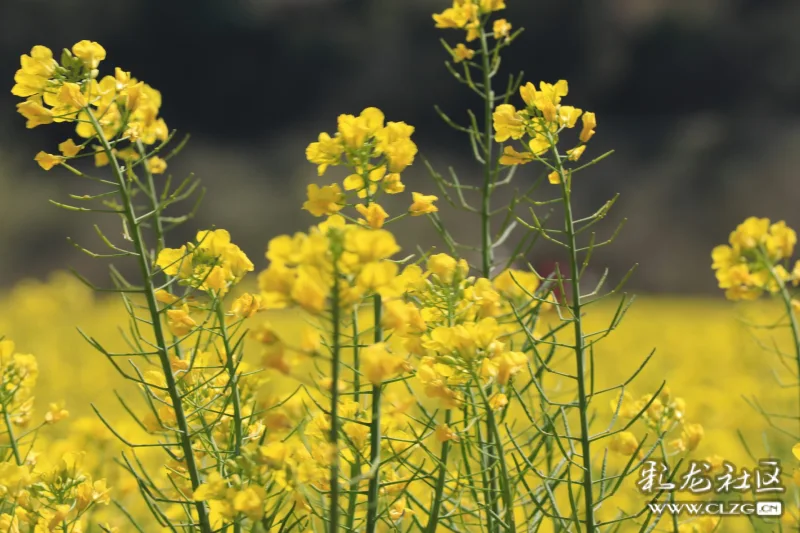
158, 332
488, 97
580, 355
355, 468
505, 489
487, 251
158, 226
11, 438
433, 521
373, 492
233, 380
333, 524
488, 497
671, 495
787, 302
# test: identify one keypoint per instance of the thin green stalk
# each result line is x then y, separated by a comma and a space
158, 229
11, 438
355, 468
787, 302
505, 489
487, 251
433, 521
580, 355
671, 495
482, 454
333, 524
158, 226
375, 434
158, 332
233, 380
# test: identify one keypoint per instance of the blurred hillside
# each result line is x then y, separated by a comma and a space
699, 100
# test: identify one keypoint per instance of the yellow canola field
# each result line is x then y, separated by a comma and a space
705, 352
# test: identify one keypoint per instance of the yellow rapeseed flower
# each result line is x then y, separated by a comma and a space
456, 17
750, 233
175, 262
48, 161
487, 6
68, 148
374, 215
179, 322
378, 364
325, 152
34, 112
422, 204
71, 95
589, 124
446, 267
501, 29
512, 157
498, 401
461, 53
624, 443
445, 433
90, 52
157, 165
508, 123
56, 413
246, 305
323, 201
576, 153
250, 502
34, 76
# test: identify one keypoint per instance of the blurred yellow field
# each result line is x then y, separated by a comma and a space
703, 350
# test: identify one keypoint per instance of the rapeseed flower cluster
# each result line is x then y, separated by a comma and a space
213, 263
755, 259
36, 496
375, 152
539, 125
470, 322
69, 91
305, 269
18, 374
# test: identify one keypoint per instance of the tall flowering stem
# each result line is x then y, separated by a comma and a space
233, 381
375, 432
790, 305
134, 227
490, 165
191, 391
336, 350
355, 469
441, 478
756, 262
373, 489
579, 346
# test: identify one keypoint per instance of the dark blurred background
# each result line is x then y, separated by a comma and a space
698, 98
